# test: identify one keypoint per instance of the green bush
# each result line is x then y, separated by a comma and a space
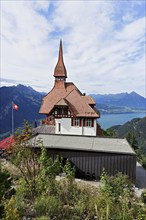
46, 206
43, 218
10, 210
77, 200
143, 196
116, 199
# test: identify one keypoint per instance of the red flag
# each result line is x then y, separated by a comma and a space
15, 106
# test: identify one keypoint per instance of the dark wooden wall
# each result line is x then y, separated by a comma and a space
91, 164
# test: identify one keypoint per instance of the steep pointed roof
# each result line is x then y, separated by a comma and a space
60, 70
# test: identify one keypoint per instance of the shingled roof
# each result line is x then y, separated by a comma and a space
74, 99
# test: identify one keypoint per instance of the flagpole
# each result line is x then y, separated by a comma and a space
12, 120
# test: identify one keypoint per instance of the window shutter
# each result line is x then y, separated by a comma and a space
92, 122
72, 121
80, 122
84, 122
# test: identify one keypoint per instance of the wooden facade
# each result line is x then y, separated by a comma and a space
89, 165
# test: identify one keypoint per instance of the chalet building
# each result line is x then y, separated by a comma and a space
66, 108
71, 131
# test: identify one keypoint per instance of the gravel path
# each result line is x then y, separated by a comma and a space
140, 179
140, 176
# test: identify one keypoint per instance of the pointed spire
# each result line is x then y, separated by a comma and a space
60, 70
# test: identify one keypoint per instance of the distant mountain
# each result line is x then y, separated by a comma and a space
28, 100
43, 93
125, 101
136, 126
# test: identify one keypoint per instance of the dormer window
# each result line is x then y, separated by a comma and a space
55, 111
61, 111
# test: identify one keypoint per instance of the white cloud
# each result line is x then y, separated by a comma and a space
96, 52
134, 30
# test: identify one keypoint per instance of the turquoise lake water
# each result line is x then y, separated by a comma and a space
108, 120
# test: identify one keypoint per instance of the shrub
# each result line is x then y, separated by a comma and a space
46, 206
116, 199
10, 210
143, 196
77, 200
43, 218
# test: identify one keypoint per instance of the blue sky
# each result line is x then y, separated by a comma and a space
103, 44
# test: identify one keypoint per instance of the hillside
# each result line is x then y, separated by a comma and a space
136, 126
26, 98
120, 103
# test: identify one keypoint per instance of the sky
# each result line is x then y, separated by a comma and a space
103, 44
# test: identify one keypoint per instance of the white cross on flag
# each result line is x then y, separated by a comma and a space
15, 106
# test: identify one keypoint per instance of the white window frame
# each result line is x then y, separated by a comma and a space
88, 122
76, 122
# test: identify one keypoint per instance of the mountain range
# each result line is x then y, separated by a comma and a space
29, 102
120, 103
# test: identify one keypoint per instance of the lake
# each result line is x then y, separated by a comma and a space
108, 120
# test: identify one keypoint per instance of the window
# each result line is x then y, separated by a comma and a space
60, 78
88, 122
61, 111
76, 122
55, 111
65, 111
82, 122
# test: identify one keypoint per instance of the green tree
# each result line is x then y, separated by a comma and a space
25, 159
48, 171
109, 132
131, 138
69, 170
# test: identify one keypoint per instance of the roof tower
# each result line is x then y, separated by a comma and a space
60, 70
